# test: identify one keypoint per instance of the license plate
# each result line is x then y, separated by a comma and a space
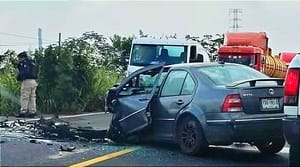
270, 104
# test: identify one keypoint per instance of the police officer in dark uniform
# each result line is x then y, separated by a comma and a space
27, 76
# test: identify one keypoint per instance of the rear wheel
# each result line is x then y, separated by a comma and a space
271, 146
190, 137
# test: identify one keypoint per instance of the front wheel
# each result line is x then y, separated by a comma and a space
271, 146
190, 137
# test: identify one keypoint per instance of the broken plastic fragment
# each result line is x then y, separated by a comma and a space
67, 148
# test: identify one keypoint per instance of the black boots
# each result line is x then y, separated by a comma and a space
26, 115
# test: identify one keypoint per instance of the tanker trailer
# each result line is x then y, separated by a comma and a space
274, 67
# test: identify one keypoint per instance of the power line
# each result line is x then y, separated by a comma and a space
23, 36
23, 43
7, 45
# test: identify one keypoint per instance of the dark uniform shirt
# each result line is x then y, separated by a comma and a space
27, 70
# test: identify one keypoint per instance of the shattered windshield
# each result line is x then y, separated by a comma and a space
143, 55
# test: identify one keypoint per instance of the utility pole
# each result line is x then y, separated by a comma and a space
234, 18
56, 114
40, 38
59, 40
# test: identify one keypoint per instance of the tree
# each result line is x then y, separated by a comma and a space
121, 43
70, 70
123, 47
210, 43
142, 34
171, 36
8, 60
9, 86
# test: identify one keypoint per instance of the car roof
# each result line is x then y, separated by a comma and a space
164, 41
189, 65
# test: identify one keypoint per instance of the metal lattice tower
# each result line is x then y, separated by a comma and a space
234, 18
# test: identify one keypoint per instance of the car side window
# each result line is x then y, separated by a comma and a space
188, 86
173, 83
140, 84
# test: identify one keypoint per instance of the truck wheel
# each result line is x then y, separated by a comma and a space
294, 155
190, 137
271, 146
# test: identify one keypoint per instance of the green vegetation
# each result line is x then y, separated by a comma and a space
72, 78
9, 86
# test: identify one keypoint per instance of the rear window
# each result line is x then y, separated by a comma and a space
228, 74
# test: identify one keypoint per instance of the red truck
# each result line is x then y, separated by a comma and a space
287, 57
251, 49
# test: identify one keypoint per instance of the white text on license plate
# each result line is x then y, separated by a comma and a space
268, 104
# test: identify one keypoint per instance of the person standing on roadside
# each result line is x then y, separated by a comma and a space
27, 76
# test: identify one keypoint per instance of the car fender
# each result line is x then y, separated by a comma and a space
194, 111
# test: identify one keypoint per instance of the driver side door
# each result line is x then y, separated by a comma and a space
131, 100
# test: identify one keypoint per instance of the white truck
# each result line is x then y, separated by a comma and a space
145, 51
292, 110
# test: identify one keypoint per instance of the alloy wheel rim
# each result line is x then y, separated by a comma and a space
188, 135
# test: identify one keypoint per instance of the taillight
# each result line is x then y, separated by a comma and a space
232, 103
291, 87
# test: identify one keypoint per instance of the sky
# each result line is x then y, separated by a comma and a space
20, 20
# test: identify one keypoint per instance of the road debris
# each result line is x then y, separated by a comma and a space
67, 148
51, 129
34, 141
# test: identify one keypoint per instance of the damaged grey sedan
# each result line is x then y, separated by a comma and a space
198, 105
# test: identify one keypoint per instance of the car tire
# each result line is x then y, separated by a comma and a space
271, 146
190, 138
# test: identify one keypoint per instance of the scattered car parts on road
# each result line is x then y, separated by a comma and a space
54, 128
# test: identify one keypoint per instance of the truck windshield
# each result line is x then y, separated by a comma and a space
143, 55
245, 60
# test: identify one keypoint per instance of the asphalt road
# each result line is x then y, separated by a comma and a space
17, 150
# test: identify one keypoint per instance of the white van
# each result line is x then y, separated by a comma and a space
145, 51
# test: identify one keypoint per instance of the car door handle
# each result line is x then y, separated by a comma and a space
179, 102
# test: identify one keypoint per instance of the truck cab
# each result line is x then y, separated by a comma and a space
246, 55
145, 51
291, 123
